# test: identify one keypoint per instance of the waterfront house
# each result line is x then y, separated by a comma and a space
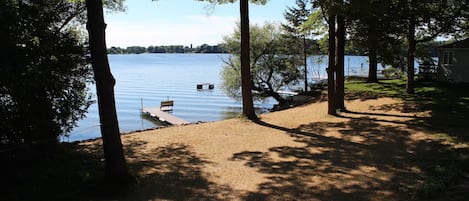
453, 62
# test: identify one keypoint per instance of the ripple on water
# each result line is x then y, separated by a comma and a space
154, 78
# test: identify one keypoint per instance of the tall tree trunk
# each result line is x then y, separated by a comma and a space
340, 54
410, 56
372, 53
246, 80
373, 66
331, 96
115, 165
305, 60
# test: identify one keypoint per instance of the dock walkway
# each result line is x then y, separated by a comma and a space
164, 116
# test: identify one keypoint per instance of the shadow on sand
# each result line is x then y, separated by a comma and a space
171, 172
371, 158
367, 161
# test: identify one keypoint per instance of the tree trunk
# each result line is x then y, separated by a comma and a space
115, 165
246, 80
305, 60
411, 56
340, 54
372, 53
331, 96
373, 67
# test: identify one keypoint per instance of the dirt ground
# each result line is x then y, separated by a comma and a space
375, 151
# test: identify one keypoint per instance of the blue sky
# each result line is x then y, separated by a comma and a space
182, 22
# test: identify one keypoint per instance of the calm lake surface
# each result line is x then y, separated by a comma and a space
158, 77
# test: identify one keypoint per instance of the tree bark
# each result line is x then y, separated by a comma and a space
373, 66
410, 56
115, 165
372, 53
340, 54
331, 96
246, 80
305, 60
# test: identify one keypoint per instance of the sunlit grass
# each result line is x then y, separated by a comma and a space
385, 87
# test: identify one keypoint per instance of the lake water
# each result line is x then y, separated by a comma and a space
157, 77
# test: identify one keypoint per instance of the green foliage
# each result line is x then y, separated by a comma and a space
303, 24
114, 5
383, 25
393, 73
204, 48
232, 1
231, 76
297, 18
315, 23
272, 65
43, 72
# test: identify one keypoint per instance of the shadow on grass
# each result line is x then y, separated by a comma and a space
449, 106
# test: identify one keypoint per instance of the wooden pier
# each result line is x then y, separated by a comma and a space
164, 116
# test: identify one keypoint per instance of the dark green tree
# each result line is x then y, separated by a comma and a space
43, 72
426, 20
296, 29
135, 49
373, 25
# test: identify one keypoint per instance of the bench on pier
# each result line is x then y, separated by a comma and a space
167, 105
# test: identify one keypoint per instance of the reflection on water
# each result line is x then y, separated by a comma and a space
145, 118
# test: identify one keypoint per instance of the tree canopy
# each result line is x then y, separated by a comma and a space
296, 29
232, 1
43, 72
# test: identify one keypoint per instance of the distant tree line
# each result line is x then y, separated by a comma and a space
168, 49
314, 48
